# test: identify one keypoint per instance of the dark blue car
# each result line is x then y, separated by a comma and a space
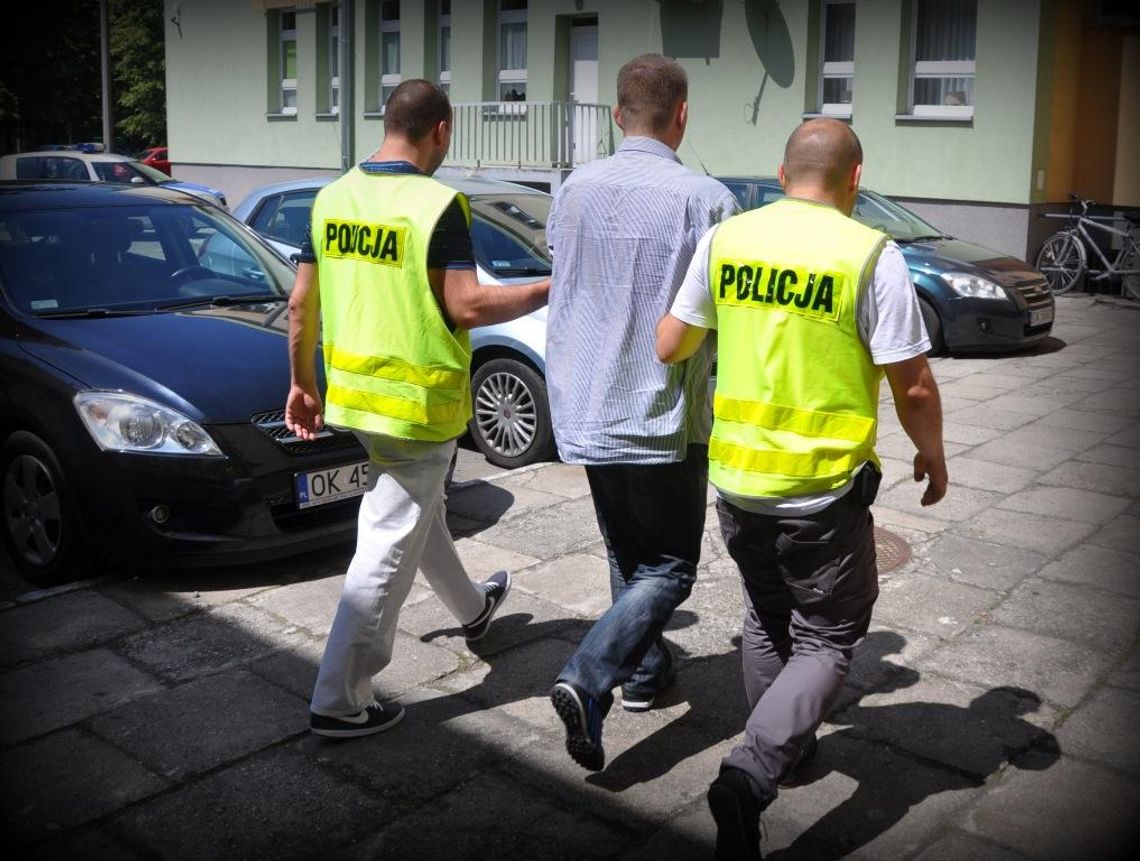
142, 389
972, 298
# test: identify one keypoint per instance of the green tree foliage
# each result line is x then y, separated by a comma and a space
139, 65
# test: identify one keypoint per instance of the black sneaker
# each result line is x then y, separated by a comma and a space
374, 718
736, 810
633, 701
797, 774
496, 586
583, 716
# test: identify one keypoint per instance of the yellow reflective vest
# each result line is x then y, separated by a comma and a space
392, 365
796, 404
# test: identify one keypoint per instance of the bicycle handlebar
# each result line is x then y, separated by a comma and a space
1075, 198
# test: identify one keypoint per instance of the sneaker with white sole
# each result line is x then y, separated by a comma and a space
371, 719
496, 588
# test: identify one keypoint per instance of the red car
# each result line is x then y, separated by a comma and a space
157, 157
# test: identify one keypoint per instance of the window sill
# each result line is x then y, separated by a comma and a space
277, 117
373, 115
926, 118
808, 115
326, 116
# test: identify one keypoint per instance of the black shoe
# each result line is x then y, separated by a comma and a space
634, 701
798, 772
583, 717
374, 718
736, 810
496, 587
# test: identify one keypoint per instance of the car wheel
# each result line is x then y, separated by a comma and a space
511, 421
40, 528
933, 328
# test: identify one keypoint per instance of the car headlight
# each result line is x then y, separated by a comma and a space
122, 422
973, 286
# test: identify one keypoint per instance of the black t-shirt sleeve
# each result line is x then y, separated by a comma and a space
450, 246
306, 253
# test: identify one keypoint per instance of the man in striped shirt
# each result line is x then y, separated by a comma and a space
622, 232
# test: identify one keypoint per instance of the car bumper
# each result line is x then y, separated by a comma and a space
981, 325
239, 509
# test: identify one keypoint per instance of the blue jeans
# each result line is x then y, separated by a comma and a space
651, 517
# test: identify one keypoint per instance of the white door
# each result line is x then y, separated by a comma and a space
584, 91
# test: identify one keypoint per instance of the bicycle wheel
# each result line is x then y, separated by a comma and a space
1062, 261
1130, 260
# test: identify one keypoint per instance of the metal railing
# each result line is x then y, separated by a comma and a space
530, 134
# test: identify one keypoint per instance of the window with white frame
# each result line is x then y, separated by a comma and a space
389, 49
334, 60
512, 50
287, 61
445, 45
945, 32
837, 57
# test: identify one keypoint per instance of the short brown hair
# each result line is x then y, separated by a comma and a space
823, 151
649, 88
415, 108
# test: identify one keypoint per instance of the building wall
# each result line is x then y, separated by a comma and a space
752, 69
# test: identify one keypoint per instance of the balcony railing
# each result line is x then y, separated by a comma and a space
530, 134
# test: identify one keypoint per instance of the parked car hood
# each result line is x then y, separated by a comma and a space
217, 366
957, 255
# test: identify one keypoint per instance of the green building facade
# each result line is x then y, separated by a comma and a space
978, 114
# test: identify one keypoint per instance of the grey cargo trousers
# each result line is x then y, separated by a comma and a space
809, 585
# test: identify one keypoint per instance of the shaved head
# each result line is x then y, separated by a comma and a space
822, 152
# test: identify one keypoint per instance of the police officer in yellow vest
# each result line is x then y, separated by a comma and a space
390, 274
811, 309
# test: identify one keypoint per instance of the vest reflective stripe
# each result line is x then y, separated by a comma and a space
355, 401
821, 465
394, 369
786, 280
391, 364
805, 422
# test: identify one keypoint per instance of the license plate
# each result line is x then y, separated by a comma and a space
322, 486
1040, 316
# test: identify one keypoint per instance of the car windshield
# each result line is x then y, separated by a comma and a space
871, 209
900, 224
508, 232
126, 171
132, 259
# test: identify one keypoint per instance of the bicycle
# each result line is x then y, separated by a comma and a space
1063, 259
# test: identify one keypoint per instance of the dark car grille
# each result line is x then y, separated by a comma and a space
272, 424
1035, 293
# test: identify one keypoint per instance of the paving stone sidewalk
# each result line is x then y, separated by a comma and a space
991, 714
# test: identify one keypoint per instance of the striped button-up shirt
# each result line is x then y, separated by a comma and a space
622, 232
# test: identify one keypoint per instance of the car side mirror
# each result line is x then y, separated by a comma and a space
137, 180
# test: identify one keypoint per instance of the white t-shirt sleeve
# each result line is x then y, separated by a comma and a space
890, 321
694, 303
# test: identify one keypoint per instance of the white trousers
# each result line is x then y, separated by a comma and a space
401, 527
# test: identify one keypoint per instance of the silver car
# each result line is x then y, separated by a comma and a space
511, 422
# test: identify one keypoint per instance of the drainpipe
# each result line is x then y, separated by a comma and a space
347, 96
105, 70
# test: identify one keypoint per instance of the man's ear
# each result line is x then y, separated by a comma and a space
618, 118
440, 132
683, 115
780, 176
856, 177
